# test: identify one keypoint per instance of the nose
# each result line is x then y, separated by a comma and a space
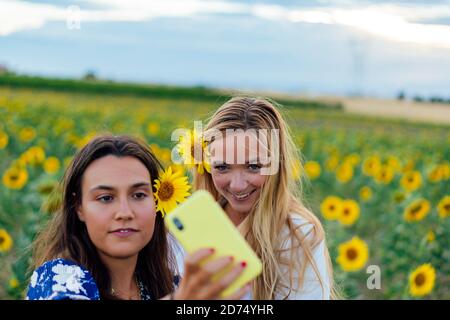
125, 211
238, 182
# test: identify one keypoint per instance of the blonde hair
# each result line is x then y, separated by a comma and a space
280, 197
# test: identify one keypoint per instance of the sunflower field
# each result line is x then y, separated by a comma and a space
381, 187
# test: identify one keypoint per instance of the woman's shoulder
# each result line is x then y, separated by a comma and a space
61, 279
299, 222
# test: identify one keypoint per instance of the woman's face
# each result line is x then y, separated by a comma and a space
236, 170
117, 205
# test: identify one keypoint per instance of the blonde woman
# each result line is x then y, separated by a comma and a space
263, 199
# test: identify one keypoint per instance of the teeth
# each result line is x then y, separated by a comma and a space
243, 196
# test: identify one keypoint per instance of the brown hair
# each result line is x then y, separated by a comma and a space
66, 236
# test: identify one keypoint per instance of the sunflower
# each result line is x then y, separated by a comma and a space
153, 128
365, 193
371, 165
27, 134
330, 207
411, 180
431, 236
15, 178
51, 165
353, 254
344, 173
349, 212
409, 166
13, 283
189, 146
444, 207
34, 155
352, 159
394, 163
421, 280
332, 163
435, 175
417, 210
384, 175
6, 241
312, 169
171, 189
296, 169
3, 140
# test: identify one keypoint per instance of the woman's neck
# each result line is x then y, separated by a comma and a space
235, 216
122, 274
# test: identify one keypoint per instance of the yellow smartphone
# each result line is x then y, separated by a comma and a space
200, 222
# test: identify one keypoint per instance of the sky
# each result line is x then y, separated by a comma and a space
320, 47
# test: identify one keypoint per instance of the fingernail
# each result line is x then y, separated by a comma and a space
212, 250
231, 258
243, 264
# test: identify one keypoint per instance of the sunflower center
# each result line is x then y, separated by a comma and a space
346, 212
332, 207
166, 191
352, 254
2, 240
410, 179
415, 209
420, 279
447, 207
14, 177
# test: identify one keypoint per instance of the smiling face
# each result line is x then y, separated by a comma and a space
236, 170
117, 205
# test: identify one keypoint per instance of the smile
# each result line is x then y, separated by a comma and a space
242, 196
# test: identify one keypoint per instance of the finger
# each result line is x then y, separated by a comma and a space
212, 268
191, 262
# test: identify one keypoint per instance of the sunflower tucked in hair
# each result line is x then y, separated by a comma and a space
421, 280
171, 189
353, 254
417, 210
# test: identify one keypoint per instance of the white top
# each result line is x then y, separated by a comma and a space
311, 288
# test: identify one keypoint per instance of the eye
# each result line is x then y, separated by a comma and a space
221, 167
105, 198
139, 195
254, 167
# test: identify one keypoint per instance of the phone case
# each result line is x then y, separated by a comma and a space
206, 225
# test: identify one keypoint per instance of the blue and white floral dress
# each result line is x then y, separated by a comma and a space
61, 279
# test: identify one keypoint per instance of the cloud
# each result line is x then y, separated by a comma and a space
396, 22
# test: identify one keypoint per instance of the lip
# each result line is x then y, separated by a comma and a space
233, 195
124, 232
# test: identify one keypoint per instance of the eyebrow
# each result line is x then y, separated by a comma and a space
110, 188
253, 161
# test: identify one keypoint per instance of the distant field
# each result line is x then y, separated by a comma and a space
391, 168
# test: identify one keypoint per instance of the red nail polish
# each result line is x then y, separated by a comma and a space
243, 264
212, 250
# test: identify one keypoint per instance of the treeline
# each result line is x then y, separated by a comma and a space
417, 98
96, 86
